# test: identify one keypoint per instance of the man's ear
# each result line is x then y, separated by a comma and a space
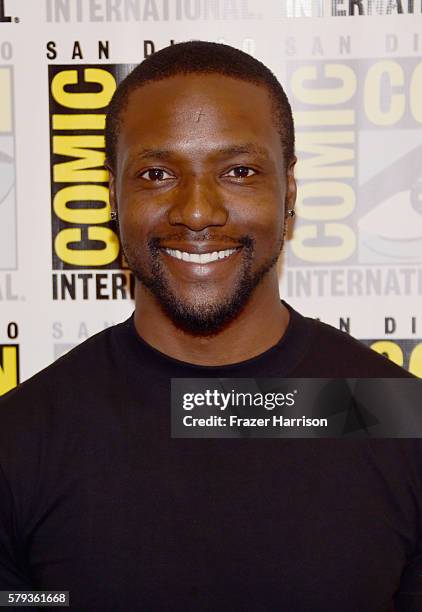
112, 189
291, 188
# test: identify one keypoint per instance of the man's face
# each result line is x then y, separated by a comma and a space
201, 189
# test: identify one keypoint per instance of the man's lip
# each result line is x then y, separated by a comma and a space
199, 248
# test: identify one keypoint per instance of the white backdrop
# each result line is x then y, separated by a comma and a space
355, 84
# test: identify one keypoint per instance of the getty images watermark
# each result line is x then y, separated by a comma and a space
296, 408
221, 401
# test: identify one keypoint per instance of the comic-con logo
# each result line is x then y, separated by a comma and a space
358, 143
82, 236
8, 255
9, 360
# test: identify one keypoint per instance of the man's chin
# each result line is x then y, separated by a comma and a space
208, 313
201, 319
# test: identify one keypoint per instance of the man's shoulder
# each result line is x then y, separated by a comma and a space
61, 409
337, 354
78, 369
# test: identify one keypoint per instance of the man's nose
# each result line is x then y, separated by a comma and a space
198, 204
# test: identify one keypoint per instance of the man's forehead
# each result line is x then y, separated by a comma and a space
161, 123
186, 92
202, 109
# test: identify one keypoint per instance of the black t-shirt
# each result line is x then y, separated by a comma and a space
98, 499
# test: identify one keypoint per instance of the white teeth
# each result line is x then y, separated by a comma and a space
201, 258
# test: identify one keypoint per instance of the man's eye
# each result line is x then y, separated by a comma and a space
240, 172
156, 174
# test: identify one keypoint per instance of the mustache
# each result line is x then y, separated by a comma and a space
246, 241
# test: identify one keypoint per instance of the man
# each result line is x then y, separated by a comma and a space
96, 497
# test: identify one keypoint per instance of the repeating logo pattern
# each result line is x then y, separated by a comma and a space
82, 237
358, 141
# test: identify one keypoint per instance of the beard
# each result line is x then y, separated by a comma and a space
198, 317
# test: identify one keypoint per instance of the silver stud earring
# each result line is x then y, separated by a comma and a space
113, 215
291, 212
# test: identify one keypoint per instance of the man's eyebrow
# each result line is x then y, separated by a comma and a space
224, 151
155, 153
239, 149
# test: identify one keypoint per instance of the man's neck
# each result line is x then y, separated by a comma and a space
259, 326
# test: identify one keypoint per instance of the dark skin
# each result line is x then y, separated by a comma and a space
199, 165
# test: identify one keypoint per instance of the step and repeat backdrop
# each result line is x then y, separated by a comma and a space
353, 72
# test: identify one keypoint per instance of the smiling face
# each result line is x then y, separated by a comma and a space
201, 187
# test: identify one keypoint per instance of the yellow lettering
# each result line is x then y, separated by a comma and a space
323, 253
415, 93
97, 99
6, 101
324, 117
81, 194
415, 362
8, 368
325, 190
389, 349
79, 122
326, 96
378, 73
82, 168
87, 257
325, 159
